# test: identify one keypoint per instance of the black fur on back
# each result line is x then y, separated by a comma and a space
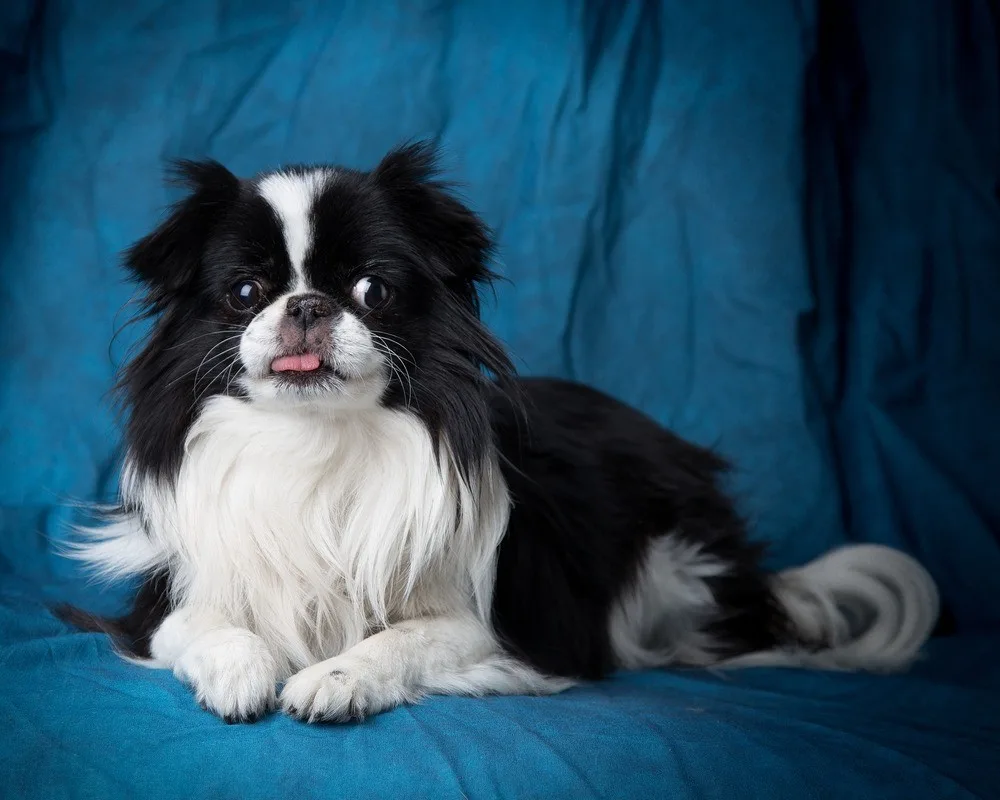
594, 482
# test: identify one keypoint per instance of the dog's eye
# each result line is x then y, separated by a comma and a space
245, 294
370, 292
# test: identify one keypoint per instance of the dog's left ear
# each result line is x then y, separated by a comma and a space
457, 237
168, 259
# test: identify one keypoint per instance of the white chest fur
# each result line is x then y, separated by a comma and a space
310, 528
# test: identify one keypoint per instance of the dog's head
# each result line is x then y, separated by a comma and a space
314, 289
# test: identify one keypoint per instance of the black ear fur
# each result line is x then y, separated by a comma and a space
459, 247
460, 241
167, 259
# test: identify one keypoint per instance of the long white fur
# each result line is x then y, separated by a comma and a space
311, 530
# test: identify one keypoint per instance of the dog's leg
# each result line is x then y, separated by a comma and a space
442, 655
230, 669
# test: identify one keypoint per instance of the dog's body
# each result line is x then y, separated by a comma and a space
335, 482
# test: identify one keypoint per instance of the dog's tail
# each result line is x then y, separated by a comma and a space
860, 607
130, 633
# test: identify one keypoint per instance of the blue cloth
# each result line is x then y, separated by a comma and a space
776, 230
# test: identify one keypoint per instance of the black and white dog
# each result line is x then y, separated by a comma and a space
335, 482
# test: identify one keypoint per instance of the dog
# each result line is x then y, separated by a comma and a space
335, 483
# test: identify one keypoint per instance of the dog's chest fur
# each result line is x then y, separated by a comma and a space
312, 528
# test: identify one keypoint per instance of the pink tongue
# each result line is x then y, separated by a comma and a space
304, 363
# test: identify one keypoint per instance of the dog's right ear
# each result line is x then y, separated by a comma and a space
168, 259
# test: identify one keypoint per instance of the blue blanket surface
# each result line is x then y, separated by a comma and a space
776, 230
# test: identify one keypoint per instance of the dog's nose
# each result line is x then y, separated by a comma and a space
307, 308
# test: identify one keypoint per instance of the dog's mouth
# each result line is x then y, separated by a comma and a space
303, 368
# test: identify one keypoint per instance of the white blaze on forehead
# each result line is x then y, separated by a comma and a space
292, 196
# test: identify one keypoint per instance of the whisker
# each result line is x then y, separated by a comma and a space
231, 374
228, 351
398, 342
204, 359
230, 325
398, 365
402, 373
404, 384
403, 379
385, 352
200, 336
217, 375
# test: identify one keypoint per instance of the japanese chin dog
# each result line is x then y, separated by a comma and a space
337, 497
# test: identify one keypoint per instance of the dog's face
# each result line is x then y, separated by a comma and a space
320, 288
322, 284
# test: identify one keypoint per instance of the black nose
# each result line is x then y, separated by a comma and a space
307, 308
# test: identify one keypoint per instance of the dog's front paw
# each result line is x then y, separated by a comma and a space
232, 673
341, 689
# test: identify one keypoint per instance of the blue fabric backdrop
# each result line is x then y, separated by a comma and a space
775, 229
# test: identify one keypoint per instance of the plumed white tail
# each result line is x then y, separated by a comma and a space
861, 607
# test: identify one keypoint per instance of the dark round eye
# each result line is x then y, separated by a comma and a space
245, 294
370, 292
